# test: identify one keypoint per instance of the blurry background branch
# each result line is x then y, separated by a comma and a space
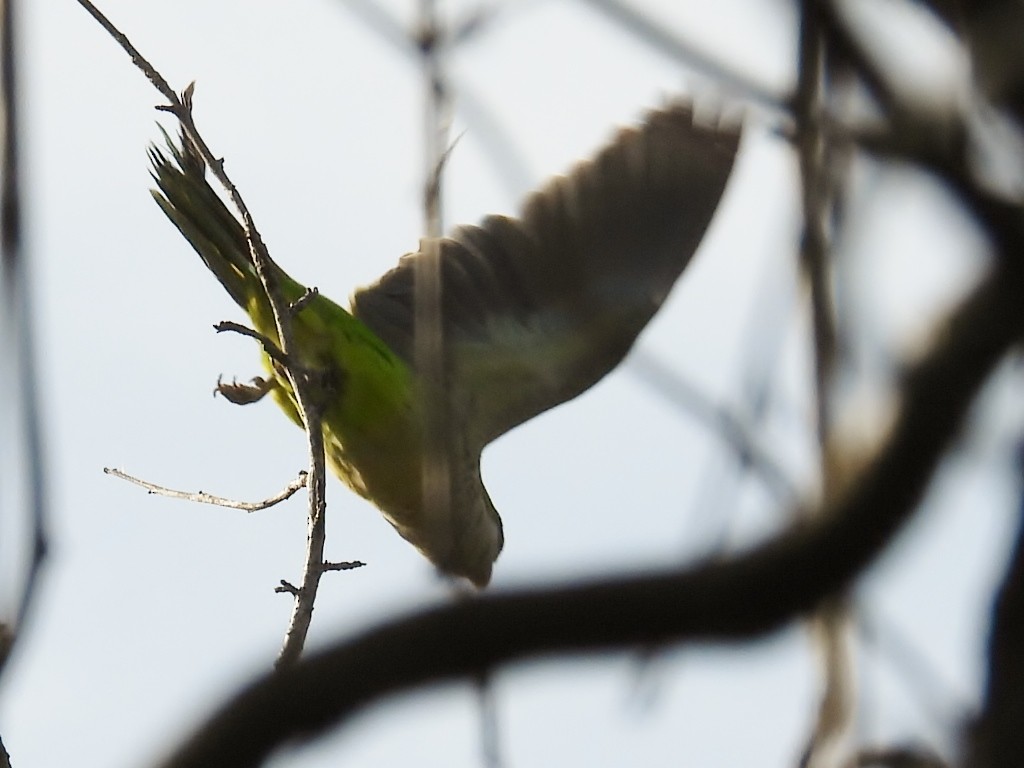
20, 411
830, 625
749, 594
744, 597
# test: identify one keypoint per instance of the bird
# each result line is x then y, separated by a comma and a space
534, 310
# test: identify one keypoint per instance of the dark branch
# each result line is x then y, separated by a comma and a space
998, 741
18, 348
748, 596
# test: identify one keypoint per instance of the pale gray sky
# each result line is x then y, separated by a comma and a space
153, 610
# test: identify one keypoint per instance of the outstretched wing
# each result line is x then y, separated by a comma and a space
535, 310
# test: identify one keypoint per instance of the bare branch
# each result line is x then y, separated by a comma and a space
743, 597
655, 36
268, 344
830, 624
287, 588
814, 250
206, 498
138, 59
428, 348
299, 304
308, 410
345, 565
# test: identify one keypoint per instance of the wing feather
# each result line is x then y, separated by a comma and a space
538, 309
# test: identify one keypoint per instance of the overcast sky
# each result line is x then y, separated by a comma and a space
153, 610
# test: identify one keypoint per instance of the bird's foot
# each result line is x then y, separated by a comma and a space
244, 394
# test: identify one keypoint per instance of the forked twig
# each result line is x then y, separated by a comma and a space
308, 410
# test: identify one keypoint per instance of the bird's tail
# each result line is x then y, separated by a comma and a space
201, 216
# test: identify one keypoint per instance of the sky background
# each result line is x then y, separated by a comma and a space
152, 610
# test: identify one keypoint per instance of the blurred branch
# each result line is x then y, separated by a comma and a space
764, 335
941, 146
308, 410
935, 695
490, 731
433, 39
18, 348
900, 757
997, 740
720, 421
746, 596
657, 37
814, 245
842, 43
951, 12
830, 623
994, 30
201, 497
500, 148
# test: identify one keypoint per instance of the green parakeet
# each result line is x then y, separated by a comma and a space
534, 311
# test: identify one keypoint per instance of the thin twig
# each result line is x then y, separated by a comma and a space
490, 730
720, 421
202, 497
344, 565
300, 303
307, 409
287, 588
500, 148
269, 345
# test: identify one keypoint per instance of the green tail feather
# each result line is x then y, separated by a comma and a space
201, 216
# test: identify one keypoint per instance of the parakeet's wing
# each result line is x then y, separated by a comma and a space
535, 310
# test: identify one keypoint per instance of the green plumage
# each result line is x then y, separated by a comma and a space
369, 403
534, 311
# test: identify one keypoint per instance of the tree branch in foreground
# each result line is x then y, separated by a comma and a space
746, 596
